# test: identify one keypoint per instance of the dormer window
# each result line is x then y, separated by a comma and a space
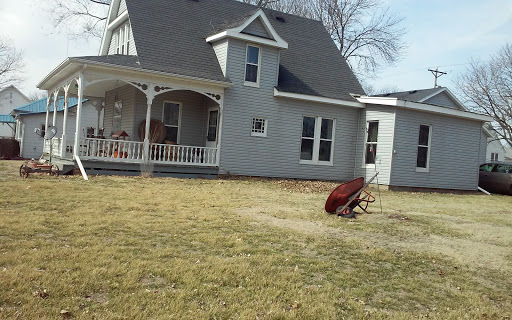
252, 66
123, 39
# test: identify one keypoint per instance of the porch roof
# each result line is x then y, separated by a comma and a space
6, 118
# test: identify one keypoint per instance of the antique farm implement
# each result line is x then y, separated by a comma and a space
38, 166
41, 165
346, 197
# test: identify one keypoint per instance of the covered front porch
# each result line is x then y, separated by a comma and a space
145, 119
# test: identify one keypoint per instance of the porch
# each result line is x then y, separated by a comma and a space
187, 112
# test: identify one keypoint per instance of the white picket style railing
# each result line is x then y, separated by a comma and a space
132, 151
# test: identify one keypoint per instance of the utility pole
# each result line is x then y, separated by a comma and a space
437, 74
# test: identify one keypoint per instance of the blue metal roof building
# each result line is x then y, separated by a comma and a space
7, 118
39, 106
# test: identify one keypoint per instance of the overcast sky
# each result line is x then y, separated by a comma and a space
444, 33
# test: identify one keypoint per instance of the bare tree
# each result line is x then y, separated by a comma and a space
367, 34
37, 95
487, 87
11, 63
84, 18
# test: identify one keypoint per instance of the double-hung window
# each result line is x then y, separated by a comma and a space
252, 66
171, 120
123, 39
494, 156
424, 140
317, 143
372, 134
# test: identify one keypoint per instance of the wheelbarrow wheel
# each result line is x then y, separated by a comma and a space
347, 213
54, 171
23, 171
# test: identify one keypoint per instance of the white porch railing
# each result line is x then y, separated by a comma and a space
132, 151
57, 147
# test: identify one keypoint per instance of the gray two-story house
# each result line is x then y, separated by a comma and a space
219, 86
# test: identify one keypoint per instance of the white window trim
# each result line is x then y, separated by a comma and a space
179, 117
122, 44
427, 169
367, 127
316, 141
265, 127
248, 83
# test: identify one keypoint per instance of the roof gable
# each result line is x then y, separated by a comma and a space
257, 28
440, 96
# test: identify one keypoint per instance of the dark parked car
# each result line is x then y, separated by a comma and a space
496, 177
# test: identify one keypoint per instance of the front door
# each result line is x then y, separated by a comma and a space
212, 127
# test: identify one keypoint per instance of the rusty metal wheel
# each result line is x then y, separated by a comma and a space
54, 171
23, 171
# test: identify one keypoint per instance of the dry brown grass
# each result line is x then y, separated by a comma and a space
138, 248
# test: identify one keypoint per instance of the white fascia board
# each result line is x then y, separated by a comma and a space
305, 97
236, 33
53, 73
106, 33
424, 107
118, 21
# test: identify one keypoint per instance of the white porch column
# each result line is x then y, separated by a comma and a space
146, 134
47, 120
55, 105
81, 85
219, 139
65, 121
99, 108
150, 95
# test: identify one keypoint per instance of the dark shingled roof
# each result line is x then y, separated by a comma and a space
412, 95
116, 59
170, 37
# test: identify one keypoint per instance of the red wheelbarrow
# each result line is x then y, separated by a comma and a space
347, 196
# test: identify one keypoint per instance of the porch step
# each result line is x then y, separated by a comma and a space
159, 170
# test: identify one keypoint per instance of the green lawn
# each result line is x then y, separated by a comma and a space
139, 248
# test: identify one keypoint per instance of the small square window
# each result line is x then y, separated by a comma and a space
259, 127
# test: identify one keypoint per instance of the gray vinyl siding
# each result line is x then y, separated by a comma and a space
256, 28
194, 108
221, 50
444, 100
122, 7
33, 143
454, 155
126, 94
113, 43
385, 115
277, 155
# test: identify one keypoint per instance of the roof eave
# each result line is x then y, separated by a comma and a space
418, 106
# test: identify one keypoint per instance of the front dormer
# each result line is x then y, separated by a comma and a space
253, 39
118, 35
